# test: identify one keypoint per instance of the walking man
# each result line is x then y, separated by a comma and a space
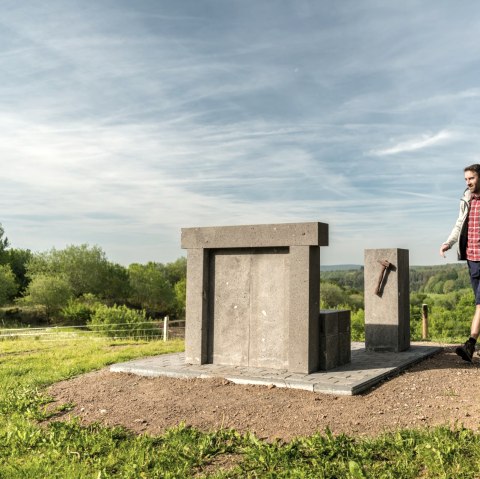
466, 233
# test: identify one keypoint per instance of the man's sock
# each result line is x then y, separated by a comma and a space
472, 340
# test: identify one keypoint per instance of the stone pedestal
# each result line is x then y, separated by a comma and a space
335, 338
387, 300
253, 295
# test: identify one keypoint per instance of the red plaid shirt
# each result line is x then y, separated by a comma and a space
473, 243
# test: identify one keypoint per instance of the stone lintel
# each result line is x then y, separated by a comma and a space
248, 236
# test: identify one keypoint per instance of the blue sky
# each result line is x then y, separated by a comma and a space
123, 121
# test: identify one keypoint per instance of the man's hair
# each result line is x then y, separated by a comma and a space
475, 168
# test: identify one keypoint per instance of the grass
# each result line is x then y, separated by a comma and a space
29, 449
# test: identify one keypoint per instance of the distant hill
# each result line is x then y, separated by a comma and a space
341, 267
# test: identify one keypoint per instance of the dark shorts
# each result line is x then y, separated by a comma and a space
474, 270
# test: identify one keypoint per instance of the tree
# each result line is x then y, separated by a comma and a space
8, 285
117, 285
176, 271
150, 288
417, 299
4, 244
18, 260
180, 289
331, 295
86, 269
50, 291
448, 286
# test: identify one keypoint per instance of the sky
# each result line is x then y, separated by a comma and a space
122, 121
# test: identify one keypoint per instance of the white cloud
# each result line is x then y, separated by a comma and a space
417, 143
449, 100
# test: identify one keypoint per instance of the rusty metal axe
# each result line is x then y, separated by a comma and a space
385, 265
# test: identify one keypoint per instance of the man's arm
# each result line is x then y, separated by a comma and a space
455, 234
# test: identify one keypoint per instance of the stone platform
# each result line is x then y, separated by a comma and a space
366, 369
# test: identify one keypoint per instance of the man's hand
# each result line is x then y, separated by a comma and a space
443, 249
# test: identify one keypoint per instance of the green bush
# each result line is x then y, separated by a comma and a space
121, 322
358, 325
79, 311
22, 316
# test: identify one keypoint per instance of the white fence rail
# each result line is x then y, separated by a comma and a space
150, 330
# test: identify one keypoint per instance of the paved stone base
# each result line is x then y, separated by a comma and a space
366, 369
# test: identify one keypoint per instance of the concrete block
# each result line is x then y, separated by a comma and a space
329, 352
344, 321
387, 314
344, 348
328, 320
335, 338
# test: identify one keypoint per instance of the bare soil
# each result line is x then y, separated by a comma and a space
442, 390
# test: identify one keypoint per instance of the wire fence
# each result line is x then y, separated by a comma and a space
148, 330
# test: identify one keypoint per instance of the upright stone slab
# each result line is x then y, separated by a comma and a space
253, 295
335, 338
387, 300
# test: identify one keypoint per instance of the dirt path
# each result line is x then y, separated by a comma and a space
440, 390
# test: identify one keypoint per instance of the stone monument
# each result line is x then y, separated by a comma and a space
253, 296
387, 300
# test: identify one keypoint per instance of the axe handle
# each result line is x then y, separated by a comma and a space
380, 278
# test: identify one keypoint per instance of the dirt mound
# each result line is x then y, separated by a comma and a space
441, 390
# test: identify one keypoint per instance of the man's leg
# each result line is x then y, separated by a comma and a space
475, 328
465, 351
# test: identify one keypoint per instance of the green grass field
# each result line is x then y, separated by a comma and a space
30, 449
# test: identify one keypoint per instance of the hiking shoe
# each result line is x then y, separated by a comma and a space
465, 351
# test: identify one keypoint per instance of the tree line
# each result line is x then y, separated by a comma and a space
66, 285
423, 279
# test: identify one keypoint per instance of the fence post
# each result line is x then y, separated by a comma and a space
165, 328
424, 321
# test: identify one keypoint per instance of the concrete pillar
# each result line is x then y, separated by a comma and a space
196, 314
303, 337
387, 300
